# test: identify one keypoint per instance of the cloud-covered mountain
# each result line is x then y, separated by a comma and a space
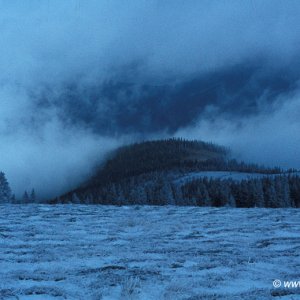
79, 78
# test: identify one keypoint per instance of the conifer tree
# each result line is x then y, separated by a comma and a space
32, 196
5, 191
25, 199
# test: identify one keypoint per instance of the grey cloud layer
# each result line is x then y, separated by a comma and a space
79, 77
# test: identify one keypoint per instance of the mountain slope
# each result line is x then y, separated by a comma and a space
182, 172
159, 155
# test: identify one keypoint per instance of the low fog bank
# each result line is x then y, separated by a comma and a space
79, 78
270, 138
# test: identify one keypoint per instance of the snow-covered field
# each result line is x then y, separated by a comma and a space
105, 252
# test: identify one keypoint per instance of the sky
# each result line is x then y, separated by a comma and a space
79, 78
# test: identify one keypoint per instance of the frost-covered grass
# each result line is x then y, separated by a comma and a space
105, 252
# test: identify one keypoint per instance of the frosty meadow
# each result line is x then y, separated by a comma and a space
147, 252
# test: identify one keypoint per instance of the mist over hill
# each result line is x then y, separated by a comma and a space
83, 77
183, 172
157, 155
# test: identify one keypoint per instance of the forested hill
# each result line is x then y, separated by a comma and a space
158, 155
170, 171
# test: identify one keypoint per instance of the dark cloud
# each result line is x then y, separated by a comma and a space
80, 77
116, 107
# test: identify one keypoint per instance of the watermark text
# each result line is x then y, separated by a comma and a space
288, 284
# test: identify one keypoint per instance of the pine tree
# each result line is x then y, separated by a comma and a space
5, 191
138, 195
75, 198
119, 197
294, 184
178, 195
244, 194
282, 191
32, 196
258, 196
25, 199
204, 199
231, 201
167, 193
162, 192
270, 193
226, 197
87, 199
13, 199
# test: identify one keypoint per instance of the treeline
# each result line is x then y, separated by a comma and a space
6, 195
277, 191
27, 198
218, 164
159, 189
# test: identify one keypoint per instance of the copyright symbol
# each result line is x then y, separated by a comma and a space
277, 283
